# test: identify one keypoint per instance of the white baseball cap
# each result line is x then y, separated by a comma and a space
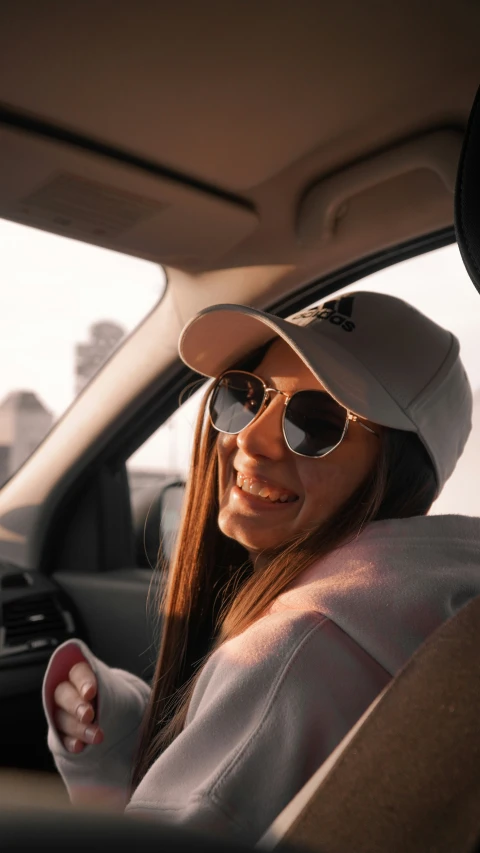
375, 354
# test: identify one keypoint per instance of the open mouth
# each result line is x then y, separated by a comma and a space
261, 489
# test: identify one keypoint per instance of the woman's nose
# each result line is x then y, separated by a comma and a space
264, 436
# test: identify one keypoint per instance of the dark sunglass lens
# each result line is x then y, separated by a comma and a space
235, 401
314, 423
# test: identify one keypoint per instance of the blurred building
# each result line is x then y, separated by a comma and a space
24, 423
105, 337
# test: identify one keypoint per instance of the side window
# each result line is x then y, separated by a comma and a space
157, 472
438, 285
165, 456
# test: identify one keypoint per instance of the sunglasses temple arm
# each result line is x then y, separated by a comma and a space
365, 426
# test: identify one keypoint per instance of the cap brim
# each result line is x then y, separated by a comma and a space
222, 335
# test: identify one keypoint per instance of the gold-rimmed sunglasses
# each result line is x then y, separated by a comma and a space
313, 423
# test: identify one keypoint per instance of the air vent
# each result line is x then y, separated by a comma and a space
15, 581
34, 622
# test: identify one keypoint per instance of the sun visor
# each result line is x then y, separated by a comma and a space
467, 197
409, 185
79, 193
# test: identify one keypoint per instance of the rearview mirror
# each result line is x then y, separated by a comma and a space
156, 516
171, 504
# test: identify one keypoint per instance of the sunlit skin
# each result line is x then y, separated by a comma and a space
260, 452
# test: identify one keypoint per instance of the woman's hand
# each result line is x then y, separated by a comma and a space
75, 709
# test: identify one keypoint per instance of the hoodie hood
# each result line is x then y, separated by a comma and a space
393, 584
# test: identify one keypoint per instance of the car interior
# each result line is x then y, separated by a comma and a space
269, 154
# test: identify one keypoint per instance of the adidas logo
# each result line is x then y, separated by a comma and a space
336, 311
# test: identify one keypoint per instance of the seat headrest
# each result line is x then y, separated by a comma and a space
467, 196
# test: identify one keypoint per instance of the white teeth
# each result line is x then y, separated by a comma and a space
255, 487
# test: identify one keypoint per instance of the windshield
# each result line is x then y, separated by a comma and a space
66, 306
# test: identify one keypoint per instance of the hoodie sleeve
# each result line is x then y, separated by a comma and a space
267, 710
101, 772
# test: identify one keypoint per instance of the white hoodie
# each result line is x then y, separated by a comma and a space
272, 704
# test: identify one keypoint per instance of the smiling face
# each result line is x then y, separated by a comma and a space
267, 493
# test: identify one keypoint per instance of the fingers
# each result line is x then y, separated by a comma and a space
75, 714
72, 728
83, 679
73, 744
68, 699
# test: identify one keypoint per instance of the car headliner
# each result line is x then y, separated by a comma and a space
256, 99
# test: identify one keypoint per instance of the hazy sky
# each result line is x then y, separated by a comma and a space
55, 288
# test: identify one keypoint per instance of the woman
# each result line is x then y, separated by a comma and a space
305, 574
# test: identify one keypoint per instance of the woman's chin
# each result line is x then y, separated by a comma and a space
250, 534
256, 523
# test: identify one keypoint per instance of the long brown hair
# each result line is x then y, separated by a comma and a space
212, 593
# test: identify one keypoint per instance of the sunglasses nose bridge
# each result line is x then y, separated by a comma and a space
270, 391
270, 394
